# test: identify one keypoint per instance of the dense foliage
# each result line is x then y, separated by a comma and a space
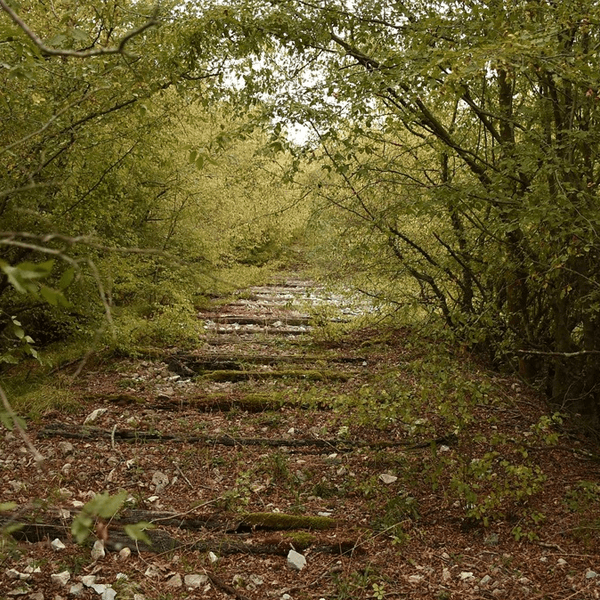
127, 175
454, 146
466, 137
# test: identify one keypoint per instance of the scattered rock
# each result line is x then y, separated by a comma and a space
256, 579
17, 486
415, 578
387, 478
160, 481
446, 575
195, 580
152, 572
61, 578
124, 553
466, 576
485, 580
561, 562
591, 574
212, 557
175, 581
76, 589
37, 596
93, 416
22, 591
65, 448
88, 580
238, 580
98, 550
295, 560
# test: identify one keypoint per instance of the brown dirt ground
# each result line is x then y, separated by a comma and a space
409, 538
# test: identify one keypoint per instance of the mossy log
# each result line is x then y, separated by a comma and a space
252, 403
163, 541
282, 521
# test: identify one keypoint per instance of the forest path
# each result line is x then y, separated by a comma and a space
280, 433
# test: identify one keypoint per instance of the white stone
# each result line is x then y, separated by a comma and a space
152, 572
212, 557
295, 560
61, 578
122, 576
124, 553
160, 481
76, 589
415, 578
446, 575
93, 416
466, 576
174, 581
387, 478
88, 580
57, 545
591, 574
65, 447
195, 580
13, 574
98, 550
36, 596
561, 562
107, 592
19, 592
485, 580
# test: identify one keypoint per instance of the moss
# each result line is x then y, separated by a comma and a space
254, 403
301, 539
281, 521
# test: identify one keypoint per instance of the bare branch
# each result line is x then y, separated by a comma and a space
49, 51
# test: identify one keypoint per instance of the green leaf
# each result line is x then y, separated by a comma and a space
81, 527
4, 506
66, 278
137, 531
49, 295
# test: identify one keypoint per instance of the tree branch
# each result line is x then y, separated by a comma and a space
49, 51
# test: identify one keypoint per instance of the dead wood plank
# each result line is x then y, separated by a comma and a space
284, 319
308, 375
163, 541
128, 435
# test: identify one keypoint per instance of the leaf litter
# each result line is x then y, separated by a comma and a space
428, 492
